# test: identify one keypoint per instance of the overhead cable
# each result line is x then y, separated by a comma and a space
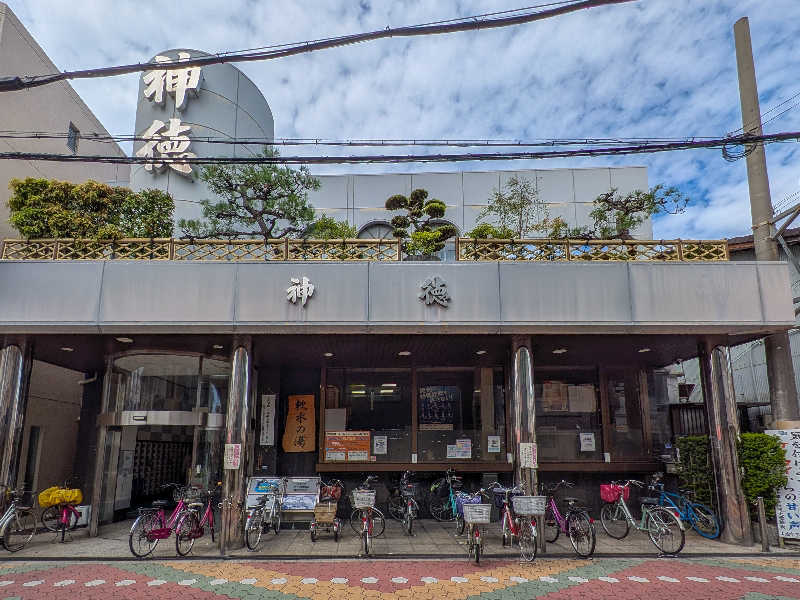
18, 82
726, 142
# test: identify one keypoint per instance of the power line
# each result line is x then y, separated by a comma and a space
356, 142
13, 83
742, 140
765, 113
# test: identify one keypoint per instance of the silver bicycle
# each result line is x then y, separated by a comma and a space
18, 523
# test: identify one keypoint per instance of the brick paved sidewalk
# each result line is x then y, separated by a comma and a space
720, 578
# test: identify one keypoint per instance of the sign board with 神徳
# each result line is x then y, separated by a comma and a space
787, 509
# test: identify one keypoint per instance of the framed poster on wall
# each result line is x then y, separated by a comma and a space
347, 446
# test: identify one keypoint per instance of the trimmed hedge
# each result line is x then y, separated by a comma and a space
695, 470
763, 462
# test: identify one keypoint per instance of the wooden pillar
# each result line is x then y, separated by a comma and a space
723, 427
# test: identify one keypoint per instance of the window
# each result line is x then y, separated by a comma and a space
72, 138
377, 230
625, 413
461, 415
568, 417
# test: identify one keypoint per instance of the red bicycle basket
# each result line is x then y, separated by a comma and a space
610, 492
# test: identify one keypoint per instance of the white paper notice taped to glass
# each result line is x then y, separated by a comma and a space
587, 442
493, 443
379, 444
528, 455
233, 456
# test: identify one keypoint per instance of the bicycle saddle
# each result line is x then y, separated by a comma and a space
648, 500
195, 505
571, 500
159, 503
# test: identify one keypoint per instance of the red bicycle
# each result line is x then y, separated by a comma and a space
191, 526
520, 526
152, 524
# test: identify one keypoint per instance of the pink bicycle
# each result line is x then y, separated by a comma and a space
191, 526
152, 525
63, 516
577, 524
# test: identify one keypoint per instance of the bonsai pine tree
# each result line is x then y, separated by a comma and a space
426, 237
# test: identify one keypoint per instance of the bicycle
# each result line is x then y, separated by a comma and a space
61, 516
409, 509
363, 498
663, 527
376, 517
522, 526
18, 524
577, 524
152, 525
266, 512
702, 518
476, 515
326, 509
191, 526
441, 508
463, 498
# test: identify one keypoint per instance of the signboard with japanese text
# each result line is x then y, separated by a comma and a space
461, 449
299, 434
233, 456
437, 404
787, 509
347, 446
268, 419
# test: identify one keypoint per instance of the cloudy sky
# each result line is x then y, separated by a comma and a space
652, 68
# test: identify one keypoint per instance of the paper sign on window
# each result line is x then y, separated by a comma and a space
528, 456
587, 442
268, 420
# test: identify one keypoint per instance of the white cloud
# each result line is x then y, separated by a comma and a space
656, 68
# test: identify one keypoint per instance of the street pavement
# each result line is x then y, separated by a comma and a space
717, 578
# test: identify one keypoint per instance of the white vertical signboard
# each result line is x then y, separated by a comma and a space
787, 510
268, 419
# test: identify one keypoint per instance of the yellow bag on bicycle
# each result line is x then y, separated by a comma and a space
70, 496
46, 497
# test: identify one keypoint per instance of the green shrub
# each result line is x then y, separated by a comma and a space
763, 462
695, 470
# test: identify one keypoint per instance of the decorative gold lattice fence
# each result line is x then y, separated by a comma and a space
361, 250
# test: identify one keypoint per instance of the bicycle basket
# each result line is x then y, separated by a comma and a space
330, 493
463, 498
477, 513
363, 498
529, 505
610, 492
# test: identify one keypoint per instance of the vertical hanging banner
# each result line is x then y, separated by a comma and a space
300, 432
787, 509
268, 419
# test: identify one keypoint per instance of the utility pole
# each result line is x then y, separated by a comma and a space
780, 371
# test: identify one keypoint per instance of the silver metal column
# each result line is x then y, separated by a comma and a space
237, 423
723, 428
15, 371
524, 410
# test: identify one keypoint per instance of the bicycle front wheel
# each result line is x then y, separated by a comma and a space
551, 526
703, 520
254, 531
138, 541
441, 509
378, 523
397, 507
613, 519
19, 530
460, 524
665, 530
51, 518
527, 539
581, 533
185, 533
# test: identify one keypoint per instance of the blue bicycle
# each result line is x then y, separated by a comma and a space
702, 518
445, 508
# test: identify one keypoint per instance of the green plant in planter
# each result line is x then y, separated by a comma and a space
763, 461
426, 237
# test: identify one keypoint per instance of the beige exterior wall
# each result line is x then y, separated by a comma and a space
49, 108
54, 405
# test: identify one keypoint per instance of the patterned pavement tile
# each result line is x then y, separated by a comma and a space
554, 579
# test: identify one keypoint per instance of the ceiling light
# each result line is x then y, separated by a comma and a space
404, 353
358, 392
328, 354
67, 349
387, 391
217, 346
559, 351
480, 352
391, 385
124, 340
643, 350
